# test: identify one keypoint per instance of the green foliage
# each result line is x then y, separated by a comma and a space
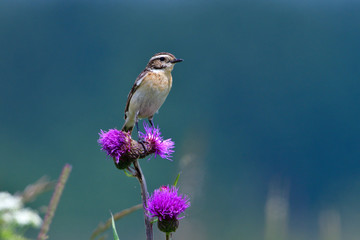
128, 174
176, 180
8, 232
116, 237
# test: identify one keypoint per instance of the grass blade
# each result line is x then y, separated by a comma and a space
116, 237
176, 180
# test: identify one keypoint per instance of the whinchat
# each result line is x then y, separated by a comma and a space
150, 90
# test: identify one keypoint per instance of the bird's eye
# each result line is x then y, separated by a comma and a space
162, 59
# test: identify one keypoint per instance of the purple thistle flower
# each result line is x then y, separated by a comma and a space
163, 148
115, 143
167, 204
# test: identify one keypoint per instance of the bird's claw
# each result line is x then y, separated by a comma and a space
142, 141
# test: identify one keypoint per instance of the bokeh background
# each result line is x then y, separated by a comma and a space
264, 112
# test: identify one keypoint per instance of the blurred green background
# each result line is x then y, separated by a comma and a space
264, 112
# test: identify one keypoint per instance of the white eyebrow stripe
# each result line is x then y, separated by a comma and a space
157, 70
158, 56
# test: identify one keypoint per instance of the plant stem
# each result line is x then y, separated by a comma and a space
168, 236
54, 202
144, 195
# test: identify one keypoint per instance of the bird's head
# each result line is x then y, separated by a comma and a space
163, 60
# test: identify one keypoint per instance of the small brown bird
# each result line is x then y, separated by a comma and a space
150, 90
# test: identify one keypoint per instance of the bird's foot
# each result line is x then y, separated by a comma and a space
142, 142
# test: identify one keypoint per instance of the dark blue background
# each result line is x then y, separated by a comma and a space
268, 95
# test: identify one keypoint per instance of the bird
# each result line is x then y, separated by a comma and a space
150, 90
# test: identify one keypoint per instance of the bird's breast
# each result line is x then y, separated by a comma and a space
158, 81
151, 94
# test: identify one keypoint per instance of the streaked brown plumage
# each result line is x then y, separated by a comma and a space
150, 89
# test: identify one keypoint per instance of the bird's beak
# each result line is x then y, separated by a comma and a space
176, 60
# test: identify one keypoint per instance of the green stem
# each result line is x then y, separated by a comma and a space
54, 202
168, 236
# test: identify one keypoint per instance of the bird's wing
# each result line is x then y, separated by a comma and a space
135, 87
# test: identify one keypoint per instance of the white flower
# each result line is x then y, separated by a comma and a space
9, 202
24, 217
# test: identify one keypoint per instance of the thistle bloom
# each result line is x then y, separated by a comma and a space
115, 143
161, 147
166, 204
